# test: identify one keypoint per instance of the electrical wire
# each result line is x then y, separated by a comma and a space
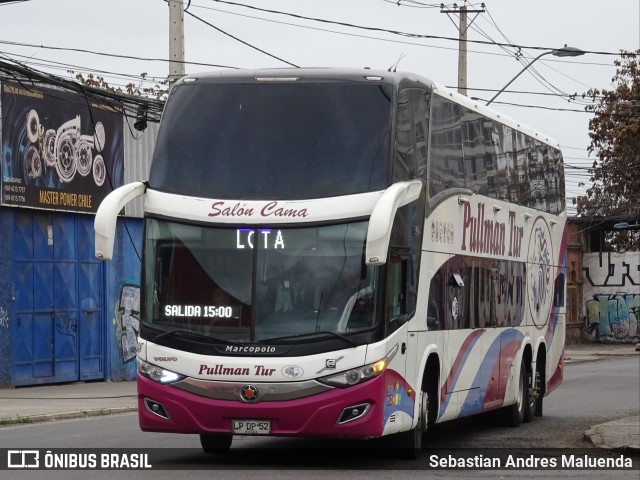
395, 32
238, 39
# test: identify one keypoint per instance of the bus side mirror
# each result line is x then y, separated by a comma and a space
381, 221
107, 215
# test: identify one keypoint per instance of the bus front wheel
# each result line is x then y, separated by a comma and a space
215, 443
408, 444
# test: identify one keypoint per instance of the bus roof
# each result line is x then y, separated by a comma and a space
362, 75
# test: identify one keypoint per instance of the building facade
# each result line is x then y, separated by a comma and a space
603, 290
66, 316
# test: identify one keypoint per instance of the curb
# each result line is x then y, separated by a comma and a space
47, 417
601, 436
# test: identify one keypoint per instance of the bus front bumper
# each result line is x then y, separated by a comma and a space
166, 408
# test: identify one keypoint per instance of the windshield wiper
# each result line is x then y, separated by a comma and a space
313, 334
196, 335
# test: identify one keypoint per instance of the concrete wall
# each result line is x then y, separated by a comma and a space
612, 296
123, 300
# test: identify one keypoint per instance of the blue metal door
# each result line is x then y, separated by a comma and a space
91, 325
57, 327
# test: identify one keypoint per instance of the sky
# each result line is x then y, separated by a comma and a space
98, 36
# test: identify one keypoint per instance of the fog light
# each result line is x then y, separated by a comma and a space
156, 408
350, 414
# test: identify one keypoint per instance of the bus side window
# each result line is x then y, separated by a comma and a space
559, 291
435, 315
396, 296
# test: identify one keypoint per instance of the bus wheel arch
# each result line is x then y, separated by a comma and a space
513, 415
429, 387
408, 444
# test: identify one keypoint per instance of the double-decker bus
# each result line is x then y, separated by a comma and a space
344, 254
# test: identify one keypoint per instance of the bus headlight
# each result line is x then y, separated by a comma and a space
157, 374
359, 374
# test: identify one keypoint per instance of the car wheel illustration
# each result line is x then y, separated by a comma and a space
34, 162
66, 161
99, 137
50, 147
99, 170
84, 158
33, 126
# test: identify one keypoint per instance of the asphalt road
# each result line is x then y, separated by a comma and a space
592, 393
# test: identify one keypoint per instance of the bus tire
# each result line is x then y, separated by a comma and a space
534, 403
541, 388
216, 443
532, 397
513, 415
538, 410
408, 445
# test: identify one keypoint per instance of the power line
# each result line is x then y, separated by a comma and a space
402, 42
396, 32
238, 39
103, 54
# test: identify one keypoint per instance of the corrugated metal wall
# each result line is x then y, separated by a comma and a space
138, 151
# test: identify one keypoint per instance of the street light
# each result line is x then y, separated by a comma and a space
560, 52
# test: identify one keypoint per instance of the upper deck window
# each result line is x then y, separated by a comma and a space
276, 141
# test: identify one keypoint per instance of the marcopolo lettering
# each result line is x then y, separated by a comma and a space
249, 349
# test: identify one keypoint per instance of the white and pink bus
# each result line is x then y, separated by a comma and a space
343, 254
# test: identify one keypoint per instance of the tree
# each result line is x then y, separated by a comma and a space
615, 141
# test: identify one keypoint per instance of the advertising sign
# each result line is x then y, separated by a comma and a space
60, 150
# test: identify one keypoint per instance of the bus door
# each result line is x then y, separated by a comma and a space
400, 395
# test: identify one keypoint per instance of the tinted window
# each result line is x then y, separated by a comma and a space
473, 292
412, 128
296, 141
471, 151
256, 284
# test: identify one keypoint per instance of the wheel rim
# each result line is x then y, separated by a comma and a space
66, 162
99, 170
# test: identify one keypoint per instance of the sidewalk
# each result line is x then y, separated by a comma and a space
78, 400
64, 401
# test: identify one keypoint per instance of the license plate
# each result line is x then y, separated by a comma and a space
251, 427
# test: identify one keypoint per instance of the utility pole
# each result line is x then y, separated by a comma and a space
176, 40
463, 27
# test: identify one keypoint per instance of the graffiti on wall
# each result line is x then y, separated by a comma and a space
127, 319
616, 316
612, 296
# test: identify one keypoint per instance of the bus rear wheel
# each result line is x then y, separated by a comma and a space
533, 396
216, 443
513, 415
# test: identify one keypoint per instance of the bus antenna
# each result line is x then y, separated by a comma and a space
393, 67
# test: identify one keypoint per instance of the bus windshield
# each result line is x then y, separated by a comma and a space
258, 284
216, 136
